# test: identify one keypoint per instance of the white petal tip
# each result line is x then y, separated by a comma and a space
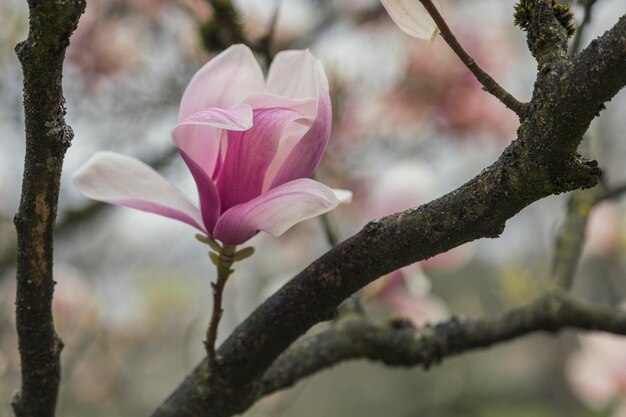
412, 18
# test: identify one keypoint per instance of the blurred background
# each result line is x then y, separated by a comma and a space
133, 298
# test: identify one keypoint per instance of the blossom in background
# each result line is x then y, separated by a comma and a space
250, 145
412, 18
605, 229
598, 372
406, 291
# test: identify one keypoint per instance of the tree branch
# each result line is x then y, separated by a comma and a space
225, 29
541, 162
399, 344
571, 238
581, 28
47, 139
614, 192
489, 84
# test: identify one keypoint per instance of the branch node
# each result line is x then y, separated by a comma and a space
548, 25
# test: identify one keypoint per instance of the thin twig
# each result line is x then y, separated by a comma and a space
576, 43
225, 29
223, 261
330, 229
613, 192
352, 304
216, 316
328, 224
223, 257
489, 84
571, 238
265, 43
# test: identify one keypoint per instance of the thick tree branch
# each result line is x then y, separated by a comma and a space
399, 344
47, 139
541, 162
548, 30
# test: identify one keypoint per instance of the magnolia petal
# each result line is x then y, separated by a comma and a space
420, 310
294, 74
238, 117
125, 181
412, 18
305, 155
277, 210
207, 192
199, 134
223, 82
305, 105
301, 150
249, 154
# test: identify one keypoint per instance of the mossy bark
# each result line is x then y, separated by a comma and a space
47, 139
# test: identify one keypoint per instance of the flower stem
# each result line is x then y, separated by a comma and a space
223, 261
223, 257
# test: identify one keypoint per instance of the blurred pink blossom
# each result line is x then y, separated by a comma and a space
604, 229
438, 87
407, 290
411, 184
111, 36
250, 145
598, 371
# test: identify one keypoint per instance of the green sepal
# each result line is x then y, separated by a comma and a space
209, 241
244, 253
215, 258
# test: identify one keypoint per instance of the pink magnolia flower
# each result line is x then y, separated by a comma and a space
249, 143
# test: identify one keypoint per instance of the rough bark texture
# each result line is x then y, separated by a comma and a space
542, 161
47, 138
397, 343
